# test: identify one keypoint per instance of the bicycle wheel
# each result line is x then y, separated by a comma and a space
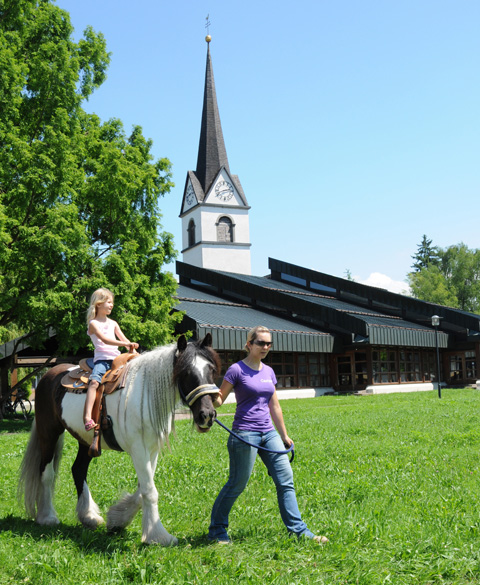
8, 408
28, 406
21, 408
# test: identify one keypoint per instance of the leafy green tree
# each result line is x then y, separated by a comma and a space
454, 281
79, 199
461, 267
429, 284
426, 255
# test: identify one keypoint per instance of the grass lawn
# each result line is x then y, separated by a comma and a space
392, 480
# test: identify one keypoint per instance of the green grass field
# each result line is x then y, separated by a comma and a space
392, 480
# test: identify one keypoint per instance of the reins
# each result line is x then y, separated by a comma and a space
291, 449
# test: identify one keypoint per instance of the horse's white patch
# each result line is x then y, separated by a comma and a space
201, 365
72, 415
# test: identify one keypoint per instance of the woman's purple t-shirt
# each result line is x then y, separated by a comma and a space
253, 391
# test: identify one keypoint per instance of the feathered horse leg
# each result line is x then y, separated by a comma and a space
153, 530
87, 510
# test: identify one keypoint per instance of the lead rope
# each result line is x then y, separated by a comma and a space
290, 449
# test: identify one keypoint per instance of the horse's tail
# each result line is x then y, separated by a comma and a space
30, 480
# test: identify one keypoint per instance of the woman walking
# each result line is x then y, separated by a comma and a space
254, 384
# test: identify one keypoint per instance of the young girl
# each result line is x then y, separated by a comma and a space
257, 406
106, 336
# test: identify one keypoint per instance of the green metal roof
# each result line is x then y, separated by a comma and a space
320, 309
229, 322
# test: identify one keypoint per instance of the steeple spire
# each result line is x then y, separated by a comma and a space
212, 155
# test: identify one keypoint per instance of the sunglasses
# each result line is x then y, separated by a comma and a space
263, 343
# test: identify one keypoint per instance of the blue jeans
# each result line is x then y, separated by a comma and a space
242, 459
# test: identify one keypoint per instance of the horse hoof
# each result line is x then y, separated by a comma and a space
48, 521
92, 523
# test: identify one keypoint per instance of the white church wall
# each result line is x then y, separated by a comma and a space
193, 256
227, 258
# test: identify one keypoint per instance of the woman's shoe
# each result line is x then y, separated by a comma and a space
320, 539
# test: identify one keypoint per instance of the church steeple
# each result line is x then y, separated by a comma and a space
214, 211
212, 155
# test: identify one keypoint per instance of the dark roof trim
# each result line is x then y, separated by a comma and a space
268, 297
422, 309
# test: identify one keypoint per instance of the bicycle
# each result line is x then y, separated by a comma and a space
17, 404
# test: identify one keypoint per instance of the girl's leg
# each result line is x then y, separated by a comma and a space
281, 471
242, 459
89, 400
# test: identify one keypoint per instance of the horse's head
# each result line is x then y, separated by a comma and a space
196, 367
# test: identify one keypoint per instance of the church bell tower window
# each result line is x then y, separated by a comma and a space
191, 233
224, 230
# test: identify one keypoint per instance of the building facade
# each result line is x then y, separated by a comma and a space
329, 333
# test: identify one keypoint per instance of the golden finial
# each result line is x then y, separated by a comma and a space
208, 38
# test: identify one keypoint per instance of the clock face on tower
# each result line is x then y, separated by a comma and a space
223, 190
190, 196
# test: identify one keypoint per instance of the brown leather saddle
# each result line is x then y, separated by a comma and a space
77, 379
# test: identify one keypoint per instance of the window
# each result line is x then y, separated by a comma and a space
384, 366
293, 370
462, 366
191, 233
414, 365
470, 364
410, 366
224, 230
429, 360
352, 370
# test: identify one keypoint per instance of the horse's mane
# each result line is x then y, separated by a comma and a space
155, 376
153, 372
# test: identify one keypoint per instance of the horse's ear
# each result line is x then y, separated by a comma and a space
207, 340
181, 343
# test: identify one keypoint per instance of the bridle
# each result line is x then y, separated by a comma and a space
199, 391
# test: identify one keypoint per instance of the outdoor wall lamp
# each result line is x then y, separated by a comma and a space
435, 324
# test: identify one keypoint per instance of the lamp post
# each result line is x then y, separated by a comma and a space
435, 324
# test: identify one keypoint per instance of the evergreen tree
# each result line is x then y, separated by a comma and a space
426, 255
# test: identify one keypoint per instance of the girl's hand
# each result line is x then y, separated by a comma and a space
132, 347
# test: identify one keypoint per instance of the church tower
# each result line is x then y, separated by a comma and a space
214, 212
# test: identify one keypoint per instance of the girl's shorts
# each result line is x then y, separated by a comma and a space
99, 369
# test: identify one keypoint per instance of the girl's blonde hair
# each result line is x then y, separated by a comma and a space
98, 297
253, 334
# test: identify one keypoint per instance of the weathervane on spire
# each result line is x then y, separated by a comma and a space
208, 38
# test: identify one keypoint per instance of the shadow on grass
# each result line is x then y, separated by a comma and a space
84, 539
11, 425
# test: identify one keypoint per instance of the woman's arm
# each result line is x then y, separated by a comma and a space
225, 390
277, 417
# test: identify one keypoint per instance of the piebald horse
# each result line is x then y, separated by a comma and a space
143, 416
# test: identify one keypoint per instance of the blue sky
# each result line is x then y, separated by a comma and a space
353, 125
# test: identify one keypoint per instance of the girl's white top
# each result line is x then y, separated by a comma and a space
103, 351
